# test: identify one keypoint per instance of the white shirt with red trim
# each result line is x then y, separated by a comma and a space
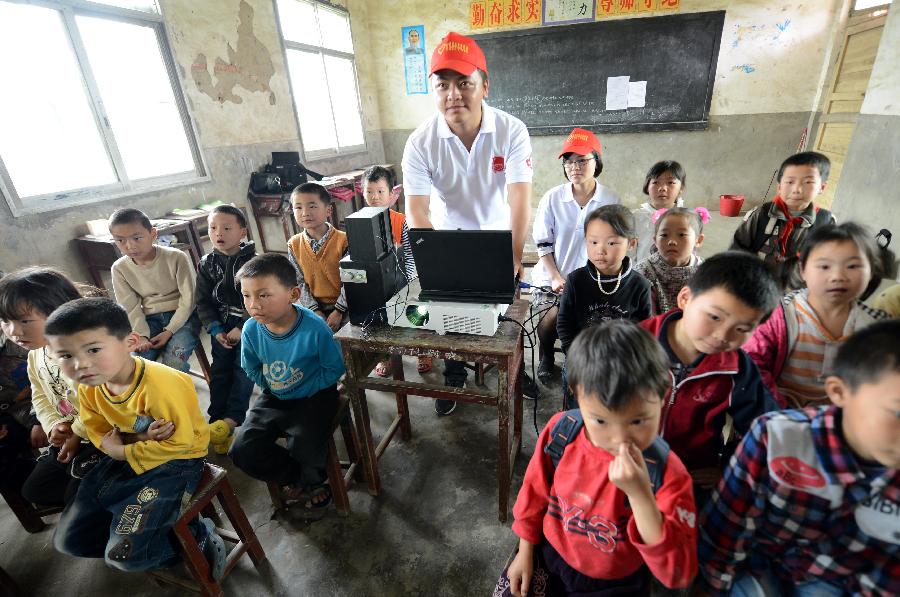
559, 228
584, 516
468, 188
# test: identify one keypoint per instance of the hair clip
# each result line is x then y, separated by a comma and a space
703, 213
658, 214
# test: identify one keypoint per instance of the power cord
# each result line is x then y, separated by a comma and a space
372, 315
532, 336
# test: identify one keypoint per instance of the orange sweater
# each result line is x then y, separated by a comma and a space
397, 222
321, 270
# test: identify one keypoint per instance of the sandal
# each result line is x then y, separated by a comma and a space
383, 369
294, 493
323, 492
424, 365
214, 549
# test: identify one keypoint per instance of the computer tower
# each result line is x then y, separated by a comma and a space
369, 285
369, 234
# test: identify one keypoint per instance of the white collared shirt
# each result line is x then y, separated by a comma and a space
560, 222
468, 188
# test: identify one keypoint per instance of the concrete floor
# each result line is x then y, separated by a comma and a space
434, 529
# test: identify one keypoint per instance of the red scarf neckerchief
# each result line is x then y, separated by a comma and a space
792, 221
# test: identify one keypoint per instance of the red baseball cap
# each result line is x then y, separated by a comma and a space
458, 53
582, 142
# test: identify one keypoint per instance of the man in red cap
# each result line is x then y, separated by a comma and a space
468, 166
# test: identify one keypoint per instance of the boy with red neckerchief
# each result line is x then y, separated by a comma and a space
776, 229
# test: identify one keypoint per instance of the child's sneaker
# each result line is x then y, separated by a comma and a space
220, 436
213, 547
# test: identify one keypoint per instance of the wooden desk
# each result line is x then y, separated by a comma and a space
505, 350
273, 206
98, 253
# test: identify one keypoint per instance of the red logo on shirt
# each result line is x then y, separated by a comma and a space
498, 165
794, 471
528, 162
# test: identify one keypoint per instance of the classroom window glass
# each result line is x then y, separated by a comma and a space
864, 4
95, 112
322, 68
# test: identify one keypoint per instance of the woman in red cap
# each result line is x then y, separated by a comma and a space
559, 232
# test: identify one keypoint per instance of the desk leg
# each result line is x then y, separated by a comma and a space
259, 225
361, 413
402, 404
518, 400
504, 473
284, 227
97, 277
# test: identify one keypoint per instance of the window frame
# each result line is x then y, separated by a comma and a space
124, 187
322, 51
884, 5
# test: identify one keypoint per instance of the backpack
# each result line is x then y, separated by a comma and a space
566, 430
823, 218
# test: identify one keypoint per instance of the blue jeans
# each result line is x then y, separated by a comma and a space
768, 585
180, 346
125, 518
229, 388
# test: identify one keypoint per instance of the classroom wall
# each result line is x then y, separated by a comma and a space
240, 119
867, 191
771, 66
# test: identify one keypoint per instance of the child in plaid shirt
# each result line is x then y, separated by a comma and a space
810, 504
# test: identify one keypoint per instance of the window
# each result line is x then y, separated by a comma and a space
322, 71
865, 4
91, 109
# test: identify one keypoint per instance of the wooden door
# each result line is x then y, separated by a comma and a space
846, 91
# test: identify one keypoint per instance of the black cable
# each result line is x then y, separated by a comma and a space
531, 345
368, 321
541, 313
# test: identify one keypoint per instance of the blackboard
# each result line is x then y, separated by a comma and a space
554, 78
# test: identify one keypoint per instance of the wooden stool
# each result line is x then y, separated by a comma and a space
29, 515
338, 480
204, 372
214, 483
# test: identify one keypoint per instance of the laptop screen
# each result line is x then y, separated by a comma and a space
464, 265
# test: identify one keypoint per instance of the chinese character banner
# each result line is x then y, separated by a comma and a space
508, 14
557, 12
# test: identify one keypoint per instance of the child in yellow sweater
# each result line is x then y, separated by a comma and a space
123, 511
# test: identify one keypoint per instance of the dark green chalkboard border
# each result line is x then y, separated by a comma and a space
545, 36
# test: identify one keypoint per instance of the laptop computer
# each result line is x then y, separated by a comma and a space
467, 266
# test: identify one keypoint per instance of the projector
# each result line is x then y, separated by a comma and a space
406, 310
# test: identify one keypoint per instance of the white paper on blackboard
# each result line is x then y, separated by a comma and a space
617, 93
637, 94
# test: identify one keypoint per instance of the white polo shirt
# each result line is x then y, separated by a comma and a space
468, 188
559, 222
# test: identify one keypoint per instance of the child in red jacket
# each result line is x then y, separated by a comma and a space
717, 390
588, 516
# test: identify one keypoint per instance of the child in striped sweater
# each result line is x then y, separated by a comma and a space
795, 348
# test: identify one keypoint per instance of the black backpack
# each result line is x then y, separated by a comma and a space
566, 430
